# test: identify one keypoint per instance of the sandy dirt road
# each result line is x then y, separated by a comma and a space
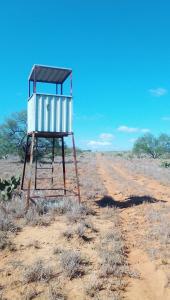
128, 191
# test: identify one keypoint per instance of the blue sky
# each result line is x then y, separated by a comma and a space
119, 51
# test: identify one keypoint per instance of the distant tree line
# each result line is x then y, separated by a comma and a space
152, 146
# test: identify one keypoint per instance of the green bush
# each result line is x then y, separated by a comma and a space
7, 187
154, 147
165, 164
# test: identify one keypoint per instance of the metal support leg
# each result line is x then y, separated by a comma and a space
63, 162
76, 170
36, 160
30, 170
52, 179
25, 161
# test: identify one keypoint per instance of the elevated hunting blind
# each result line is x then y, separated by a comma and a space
49, 116
50, 113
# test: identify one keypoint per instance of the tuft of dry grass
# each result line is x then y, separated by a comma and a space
78, 212
158, 231
57, 250
35, 218
93, 286
80, 231
15, 207
4, 242
7, 224
37, 272
69, 233
89, 224
36, 244
72, 263
54, 293
29, 293
113, 253
62, 206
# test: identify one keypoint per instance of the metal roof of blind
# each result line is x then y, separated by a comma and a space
49, 74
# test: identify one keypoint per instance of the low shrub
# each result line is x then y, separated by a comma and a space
35, 217
3, 240
71, 263
80, 231
93, 286
54, 293
29, 293
90, 225
68, 233
37, 272
6, 223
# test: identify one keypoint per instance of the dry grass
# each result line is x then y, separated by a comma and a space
3, 240
72, 263
80, 231
55, 293
69, 233
158, 233
113, 251
36, 244
7, 224
89, 224
86, 234
37, 272
94, 285
29, 293
34, 217
146, 166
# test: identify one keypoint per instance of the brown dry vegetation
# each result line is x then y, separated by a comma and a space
115, 245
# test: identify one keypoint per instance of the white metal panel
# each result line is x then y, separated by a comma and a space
58, 114
52, 120
69, 118
31, 114
64, 113
50, 113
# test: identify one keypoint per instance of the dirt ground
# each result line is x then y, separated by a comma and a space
129, 198
133, 199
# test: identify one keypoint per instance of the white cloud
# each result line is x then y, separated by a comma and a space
106, 136
132, 140
124, 128
145, 130
104, 139
98, 143
166, 118
158, 92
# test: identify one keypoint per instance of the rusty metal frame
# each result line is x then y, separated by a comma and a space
33, 153
30, 170
63, 163
25, 160
53, 155
76, 169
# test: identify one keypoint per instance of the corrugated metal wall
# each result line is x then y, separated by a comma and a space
49, 113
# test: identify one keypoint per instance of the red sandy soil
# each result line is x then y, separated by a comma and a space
154, 281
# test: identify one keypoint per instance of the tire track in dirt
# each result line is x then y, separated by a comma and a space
153, 282
151, 185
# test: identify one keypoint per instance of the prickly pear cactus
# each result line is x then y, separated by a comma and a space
7, 187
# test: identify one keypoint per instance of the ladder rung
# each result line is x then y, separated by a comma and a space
41, 147
44, 168
41, 178
46, 162
44, 157
47, 158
